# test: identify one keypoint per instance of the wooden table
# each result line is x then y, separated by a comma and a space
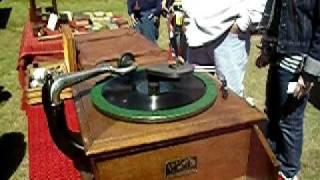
221, 143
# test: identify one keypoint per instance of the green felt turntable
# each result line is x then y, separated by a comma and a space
150, 97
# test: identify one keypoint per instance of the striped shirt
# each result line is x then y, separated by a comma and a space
291, 63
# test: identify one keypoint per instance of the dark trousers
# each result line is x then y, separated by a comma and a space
285, 115
147, 26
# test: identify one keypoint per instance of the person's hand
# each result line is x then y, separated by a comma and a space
180, 60
133, 20
266, 52
163, 5
165, 10
262, 60
303, 88
235, 29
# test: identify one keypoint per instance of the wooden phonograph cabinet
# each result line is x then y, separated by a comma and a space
158, 121
222, 142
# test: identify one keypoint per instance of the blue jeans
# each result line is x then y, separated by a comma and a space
147, 27
285, 120
230, 55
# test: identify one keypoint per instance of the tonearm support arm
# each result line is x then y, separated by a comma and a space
68, 80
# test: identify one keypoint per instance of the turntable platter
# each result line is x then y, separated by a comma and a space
138, 98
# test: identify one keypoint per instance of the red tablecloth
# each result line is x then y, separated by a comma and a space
31, 46
45, 159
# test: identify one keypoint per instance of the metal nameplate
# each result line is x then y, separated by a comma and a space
180, 167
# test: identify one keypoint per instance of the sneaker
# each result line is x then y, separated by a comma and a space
281, 176
250, 101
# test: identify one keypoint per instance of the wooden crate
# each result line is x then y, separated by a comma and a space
33, 95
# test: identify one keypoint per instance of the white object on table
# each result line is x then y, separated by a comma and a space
52, 22
39, 74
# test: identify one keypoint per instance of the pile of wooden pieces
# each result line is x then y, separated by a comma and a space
47, 21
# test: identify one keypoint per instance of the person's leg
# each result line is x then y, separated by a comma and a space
273, 99
148, 28
291, 127
285, 114
231, 58
138, 27
199, 56
184, 46
174, 46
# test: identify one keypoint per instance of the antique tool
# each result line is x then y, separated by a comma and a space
175, 24
224, 85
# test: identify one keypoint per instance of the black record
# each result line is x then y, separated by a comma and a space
133, 92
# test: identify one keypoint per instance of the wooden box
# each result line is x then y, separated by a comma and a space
110, 45
221, 143
33, 95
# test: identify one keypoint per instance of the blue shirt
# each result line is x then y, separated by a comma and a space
145, 5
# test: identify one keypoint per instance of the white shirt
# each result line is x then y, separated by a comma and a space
208, 19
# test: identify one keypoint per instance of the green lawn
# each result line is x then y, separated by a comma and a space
12, 119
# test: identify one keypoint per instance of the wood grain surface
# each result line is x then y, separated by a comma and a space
105, 134
224, 139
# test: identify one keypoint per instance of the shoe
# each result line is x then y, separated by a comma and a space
250, 101
281, 176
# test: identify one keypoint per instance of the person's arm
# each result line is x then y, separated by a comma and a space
312, 63
163, 4
311, 69
169, 3
130, 5
166, 4
251, 13
158, 8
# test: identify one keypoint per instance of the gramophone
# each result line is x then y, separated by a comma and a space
160, 121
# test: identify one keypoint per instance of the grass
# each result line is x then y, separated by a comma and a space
14, 120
